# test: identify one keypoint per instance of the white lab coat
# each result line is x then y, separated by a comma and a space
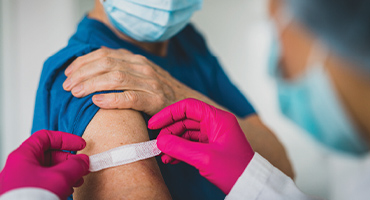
29, 193
261, 180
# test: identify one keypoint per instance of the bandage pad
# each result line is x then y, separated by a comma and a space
123, 155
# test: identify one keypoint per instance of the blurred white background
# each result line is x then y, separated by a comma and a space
236, 31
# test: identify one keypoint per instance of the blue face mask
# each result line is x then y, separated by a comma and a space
150, 20
312, 103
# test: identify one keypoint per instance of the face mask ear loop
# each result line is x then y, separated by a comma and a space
286, 19
318, 56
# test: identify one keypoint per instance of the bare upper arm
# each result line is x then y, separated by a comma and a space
138, 180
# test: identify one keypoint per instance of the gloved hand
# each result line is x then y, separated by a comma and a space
39, 163
205, 137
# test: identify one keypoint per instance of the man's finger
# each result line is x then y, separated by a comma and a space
89, 70
124, 100
95, 55
113, 80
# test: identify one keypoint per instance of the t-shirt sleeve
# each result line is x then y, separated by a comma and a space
225, 93
57, 109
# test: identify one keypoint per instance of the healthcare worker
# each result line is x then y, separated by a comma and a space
319, 59
212, 141
329, 97
38, 169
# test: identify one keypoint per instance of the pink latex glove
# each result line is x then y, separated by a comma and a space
205, 137
39, 163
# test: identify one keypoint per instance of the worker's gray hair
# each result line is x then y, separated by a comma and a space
343, 25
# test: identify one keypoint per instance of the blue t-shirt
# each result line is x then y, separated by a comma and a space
188, 60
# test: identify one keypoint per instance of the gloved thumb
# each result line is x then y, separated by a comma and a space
74, 168
193, 153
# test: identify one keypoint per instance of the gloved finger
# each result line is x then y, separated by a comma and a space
179, 148
53, 157
59, 157
179, 127
79, 182
175, 161
186, 109
195, 135
90, 57
74, 168
44, 139
166, 159
189, 135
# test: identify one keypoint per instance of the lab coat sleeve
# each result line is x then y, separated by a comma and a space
29, 194
261, 180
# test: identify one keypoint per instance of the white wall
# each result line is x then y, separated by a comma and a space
1, 88
235, 30
33, 30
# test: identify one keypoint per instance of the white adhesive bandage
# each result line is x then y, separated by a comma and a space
123, 155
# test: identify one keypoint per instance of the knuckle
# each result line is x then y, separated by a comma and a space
90, 84
207, 158
140, 58
118, 76
232, 118
132, 97
147, 70
78, 61
102, 52
79, 74
116, 99
155, 85
13, 156
124, 51
107, 62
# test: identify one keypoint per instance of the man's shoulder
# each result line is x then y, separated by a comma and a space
192, 40
55, 108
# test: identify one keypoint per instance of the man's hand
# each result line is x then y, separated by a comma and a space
39, 163
147, 87
205, 137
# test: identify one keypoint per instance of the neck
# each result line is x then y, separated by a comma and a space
156, 48
354, 89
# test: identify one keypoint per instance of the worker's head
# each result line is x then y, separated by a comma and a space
321, 59
149, 20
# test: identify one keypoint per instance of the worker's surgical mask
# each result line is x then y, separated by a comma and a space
150, 20
311, 102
